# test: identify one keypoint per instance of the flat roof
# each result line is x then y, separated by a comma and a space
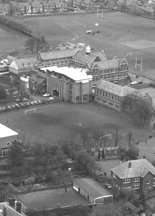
92, 188
48, 199
6, 132
76, 74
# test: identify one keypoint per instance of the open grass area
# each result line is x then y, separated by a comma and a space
63, 121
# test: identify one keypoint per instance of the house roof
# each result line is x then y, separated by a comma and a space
115, 88
6, 132
112, 63
139, 168
9, 210
76, 74
23, 62
92, 188
58, 54
81, 56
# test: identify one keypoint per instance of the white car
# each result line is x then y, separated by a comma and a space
46, 95
89, 31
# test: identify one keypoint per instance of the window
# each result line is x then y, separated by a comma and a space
148, 181
77, 98
85, 97
100, 92
96, 91
106, 94
4, 152
103, 93
118, 98
112, 97
136, 186
117, 106
126, 181
136, 179
153, 184
104, 101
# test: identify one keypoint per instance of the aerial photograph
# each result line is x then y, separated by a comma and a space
77, 107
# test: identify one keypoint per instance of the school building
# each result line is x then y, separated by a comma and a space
69, 84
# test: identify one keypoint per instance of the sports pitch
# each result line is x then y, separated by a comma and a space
59, 122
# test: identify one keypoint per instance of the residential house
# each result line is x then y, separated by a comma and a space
7, 135
28, 7
111, 70
69, 84
56, 57
11, 209
85, 58
134, 175
37, 7
4, 9
20, 8
23, 65
111, 95
48, 6
92, 191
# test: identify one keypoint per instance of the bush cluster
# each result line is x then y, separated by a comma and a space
16, 25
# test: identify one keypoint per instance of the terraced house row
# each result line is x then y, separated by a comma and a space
19, 8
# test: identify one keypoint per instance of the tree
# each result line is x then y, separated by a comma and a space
3, 94
16, 154
133, 151
36, 44
129, 137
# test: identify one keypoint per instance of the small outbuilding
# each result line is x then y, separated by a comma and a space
92, 191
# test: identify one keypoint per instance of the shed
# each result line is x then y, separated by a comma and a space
92, 191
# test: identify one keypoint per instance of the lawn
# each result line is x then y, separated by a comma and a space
63, 121
54, 198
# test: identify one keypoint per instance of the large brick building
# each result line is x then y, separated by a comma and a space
134, 175
111, 95
69, 84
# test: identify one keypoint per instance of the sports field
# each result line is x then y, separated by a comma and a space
120, 34
64, 121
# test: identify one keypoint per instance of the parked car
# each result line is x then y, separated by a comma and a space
89, 31
17, 106
25, 99
46, 95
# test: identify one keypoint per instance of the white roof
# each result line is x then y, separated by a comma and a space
76, 74
6, 132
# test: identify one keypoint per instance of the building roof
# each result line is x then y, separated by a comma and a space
139, 168
6, 132
9, 210
112, 63
92, 188
114, 88
23, 63
76, 74
58, 54
82, 57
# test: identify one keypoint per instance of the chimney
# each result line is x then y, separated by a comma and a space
129, 164
12, 202
18, 207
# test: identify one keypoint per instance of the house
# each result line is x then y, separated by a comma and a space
28, 7
23, 65
111, 95
111, 70
7, 135
69, 84
36, 7
56, 57
4, 9
11, 208
48, 6
92, 191
134, 175
85, 58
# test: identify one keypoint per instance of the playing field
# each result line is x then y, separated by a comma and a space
119, 34
63, 121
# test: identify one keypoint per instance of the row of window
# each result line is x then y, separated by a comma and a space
108, 102
108, 95
85, 97
110, 70
98, 77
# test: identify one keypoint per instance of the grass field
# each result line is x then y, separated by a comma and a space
63, 121
119, 34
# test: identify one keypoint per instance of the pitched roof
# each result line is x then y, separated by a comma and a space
81, 56
58, 54
6, 132
24, 62
112, 63
139, 168
114, 88
9, 210
92, 188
